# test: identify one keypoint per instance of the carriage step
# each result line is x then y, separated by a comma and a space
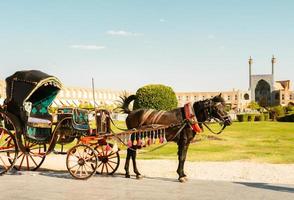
60, 152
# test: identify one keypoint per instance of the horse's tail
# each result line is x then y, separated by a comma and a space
125, 102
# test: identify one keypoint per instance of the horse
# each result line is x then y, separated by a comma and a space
182, 133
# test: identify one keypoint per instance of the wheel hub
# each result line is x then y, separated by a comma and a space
81, 161
104, 159
27, 150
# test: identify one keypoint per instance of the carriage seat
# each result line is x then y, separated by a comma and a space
39, 120
39, 123
80, 119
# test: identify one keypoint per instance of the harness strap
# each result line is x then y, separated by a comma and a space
157, 117
145, 116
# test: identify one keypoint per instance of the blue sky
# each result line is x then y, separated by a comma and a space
190, 45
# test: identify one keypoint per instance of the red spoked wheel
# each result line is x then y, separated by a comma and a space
108, 160
81, 161
7, 145
31, 158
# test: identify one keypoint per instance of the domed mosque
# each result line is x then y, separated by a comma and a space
268, 92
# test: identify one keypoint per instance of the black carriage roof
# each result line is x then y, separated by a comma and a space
22, 84
32, 76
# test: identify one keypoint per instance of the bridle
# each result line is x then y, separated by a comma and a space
209, 107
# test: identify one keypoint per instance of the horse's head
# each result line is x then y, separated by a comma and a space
213, 108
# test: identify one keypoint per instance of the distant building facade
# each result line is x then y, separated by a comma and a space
268, 92
262, 88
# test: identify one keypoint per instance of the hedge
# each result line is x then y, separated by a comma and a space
286, 118
242, 117
259, 117
266, 116
251, 117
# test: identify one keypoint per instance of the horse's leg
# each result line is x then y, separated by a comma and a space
128, 163
136, 171
184, 157
182, 152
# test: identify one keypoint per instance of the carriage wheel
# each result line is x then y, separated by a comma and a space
31, 158
7, 145
81, 161
108, 160
7, 142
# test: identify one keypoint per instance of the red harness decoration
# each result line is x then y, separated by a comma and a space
191, 117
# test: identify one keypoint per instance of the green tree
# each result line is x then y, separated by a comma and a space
155, 96
254, 105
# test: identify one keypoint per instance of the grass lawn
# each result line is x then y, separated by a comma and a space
270, 142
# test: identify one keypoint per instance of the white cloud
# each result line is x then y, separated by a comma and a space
87, 47
211, 37
162, 20
123, 33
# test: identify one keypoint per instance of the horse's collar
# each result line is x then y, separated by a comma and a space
191, 117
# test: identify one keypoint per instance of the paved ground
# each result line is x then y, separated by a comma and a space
236, 171
243, 180
59, 185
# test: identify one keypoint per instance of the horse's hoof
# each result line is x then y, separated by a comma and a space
127, 176
139, 176
183, 179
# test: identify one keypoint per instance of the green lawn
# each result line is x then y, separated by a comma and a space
271, 142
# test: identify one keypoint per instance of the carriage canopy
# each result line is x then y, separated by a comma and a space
30, 90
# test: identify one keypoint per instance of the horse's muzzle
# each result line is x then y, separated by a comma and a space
227, 120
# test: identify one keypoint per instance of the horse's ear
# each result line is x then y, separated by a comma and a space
220, 95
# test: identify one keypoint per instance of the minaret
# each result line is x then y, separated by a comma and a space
250, 61
273, 67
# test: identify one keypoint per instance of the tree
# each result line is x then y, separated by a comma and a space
254, 105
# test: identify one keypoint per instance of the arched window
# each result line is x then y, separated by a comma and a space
246, 96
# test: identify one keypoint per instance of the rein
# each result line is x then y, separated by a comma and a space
121, 129
207, 111
220, 131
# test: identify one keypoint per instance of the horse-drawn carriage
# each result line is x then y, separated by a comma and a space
28, 132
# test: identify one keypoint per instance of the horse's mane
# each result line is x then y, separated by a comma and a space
218, 98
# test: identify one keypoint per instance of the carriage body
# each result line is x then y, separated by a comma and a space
28, 127
81, 123
28, 97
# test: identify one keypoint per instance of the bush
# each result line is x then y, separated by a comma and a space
251, 117
259, 117
290, 109
159, 97
242, 117
254, 105
286, 118
266, 116
279, 111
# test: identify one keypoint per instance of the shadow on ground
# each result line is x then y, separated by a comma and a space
268, 186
